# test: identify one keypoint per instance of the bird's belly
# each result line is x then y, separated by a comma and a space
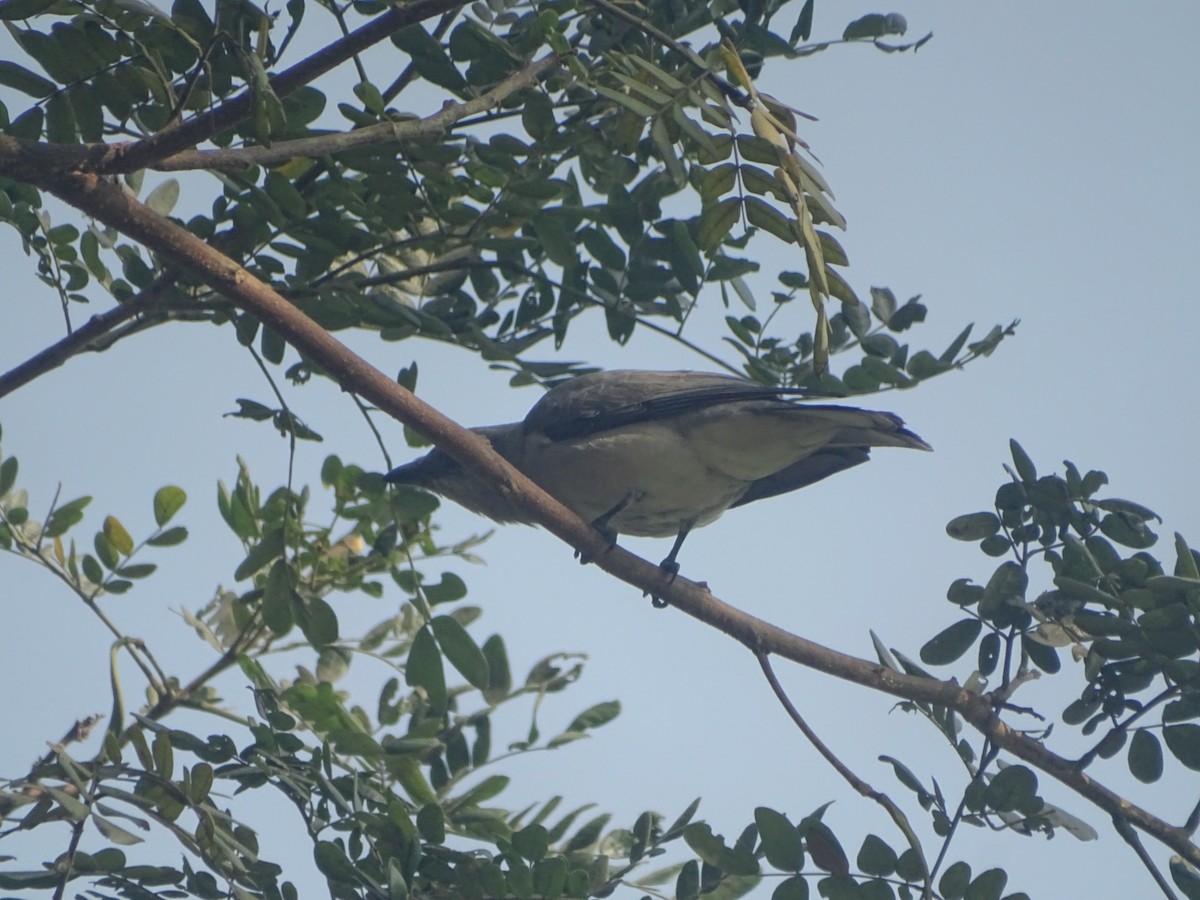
649, 471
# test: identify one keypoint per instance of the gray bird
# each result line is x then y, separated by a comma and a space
660, 453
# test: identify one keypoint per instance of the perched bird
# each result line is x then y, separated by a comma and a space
660, 453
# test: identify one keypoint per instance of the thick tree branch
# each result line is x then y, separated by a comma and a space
433, 125
111, 205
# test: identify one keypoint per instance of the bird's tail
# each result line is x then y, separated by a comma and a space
866, 428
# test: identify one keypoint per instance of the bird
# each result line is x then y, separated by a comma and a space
656, 454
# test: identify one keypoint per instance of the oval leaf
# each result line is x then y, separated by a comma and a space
951, 643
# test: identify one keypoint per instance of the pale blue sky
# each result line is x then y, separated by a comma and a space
1033, 161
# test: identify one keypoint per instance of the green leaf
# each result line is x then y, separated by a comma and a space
988, 886
1184, 743
169, 538
951, 353
1013, 788
60, 120
1024, 465
953, 883
973, 526
449, 589
875, 857
499, 673
595, 716
115, 833
635, 106
537, 116
1006, 586
716, 221
12, 10
769, 219
462, 651
20, 78
490, 787
168, 501
794, 888
951, 643
875, 25
424, 669
802, 30
265, 551
8, 475
118, 536
1145, 756
1129, 531
431, 823
142, 570
883, 304
106, 552
91, 569
332, 862
1186, 878
164, 197
532, 842
781, 842
277, 598
711, 849
317, 620
1041, 655
556, 239
64, 517
687, 884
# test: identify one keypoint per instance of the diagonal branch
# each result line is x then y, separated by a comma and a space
77, 341
433, 125
108, 203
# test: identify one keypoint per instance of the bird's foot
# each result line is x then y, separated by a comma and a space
670, 568
610, 536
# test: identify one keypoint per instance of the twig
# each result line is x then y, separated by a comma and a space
1131, 838
863, 788
81, 338
384, 132
144, 154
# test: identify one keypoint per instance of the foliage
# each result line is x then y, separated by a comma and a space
590, 160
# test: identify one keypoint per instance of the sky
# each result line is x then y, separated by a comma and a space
1032, 161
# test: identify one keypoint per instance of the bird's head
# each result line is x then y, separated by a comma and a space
440, 473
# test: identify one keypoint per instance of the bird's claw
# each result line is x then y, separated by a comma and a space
610, 536
670, 568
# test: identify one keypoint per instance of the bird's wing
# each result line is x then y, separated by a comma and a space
604, 400
807, 471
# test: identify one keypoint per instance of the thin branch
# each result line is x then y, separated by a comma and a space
987, 755
82, 338
144, 154
848, 774
76, 733
1123, 727
113, 207
1131, 838
393, 90
115, 159
433, 125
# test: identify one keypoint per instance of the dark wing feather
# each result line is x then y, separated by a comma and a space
604, 400
807, 471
